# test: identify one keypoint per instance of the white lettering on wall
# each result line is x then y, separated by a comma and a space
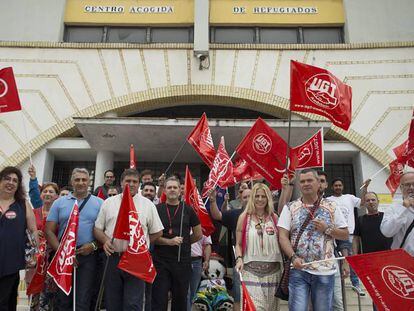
151, 9
103, 9
285, 10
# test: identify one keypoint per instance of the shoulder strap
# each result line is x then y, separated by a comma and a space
305, 223
409, 229
84, 202
246, 219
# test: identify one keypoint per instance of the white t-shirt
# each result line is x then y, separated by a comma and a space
313, 245
346, 203
147, 213
397, 219
197, 248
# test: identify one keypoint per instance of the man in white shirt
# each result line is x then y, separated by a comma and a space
398, 221
316, 243
124, 291
347, 203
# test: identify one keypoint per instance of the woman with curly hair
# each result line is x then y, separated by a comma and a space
16, 215
257, 249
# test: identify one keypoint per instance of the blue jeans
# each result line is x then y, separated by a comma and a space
85, 285
196, 269
236, 285
123, 291
347, 244
319, 287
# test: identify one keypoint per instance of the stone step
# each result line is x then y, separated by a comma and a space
351, 299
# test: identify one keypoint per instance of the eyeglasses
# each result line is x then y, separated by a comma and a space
408, 185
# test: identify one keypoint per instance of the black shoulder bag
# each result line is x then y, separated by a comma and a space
282, 290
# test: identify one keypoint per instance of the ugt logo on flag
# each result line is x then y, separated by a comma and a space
9, 98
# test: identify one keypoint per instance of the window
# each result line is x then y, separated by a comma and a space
233, 35
268, 35
224, 35
129, 34
279, 35
322, 35
84, 34
123, 34
173, 35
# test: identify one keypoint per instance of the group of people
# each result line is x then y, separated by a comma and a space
264, 234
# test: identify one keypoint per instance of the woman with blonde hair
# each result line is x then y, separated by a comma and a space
257, 249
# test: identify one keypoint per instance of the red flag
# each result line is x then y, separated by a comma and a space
316, 90
310, 153
221, 173
396, 171
247, 303
101, 194
401, 152
243, 171
200, 138
61, 267
388, 277
9, 97
132, 163
121, 230
163, 197
38, 281
192, 197
265, 151
136, 260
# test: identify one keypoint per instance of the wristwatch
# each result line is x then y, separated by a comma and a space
94, 246
293, 257
329, 230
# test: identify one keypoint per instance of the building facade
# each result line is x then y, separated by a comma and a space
95, 76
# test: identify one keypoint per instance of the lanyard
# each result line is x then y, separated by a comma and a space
169, 217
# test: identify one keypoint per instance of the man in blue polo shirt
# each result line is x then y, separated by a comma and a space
89, 206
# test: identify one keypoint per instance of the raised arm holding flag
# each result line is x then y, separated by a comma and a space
221, 173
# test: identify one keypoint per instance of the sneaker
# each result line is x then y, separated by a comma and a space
359, 290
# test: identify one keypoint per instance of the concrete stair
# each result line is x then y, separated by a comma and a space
351, 299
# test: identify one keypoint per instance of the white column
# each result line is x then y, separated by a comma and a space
104, 161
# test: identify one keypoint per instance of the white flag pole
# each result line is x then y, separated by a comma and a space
27, 137
323, 260
74, 288
374, 175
